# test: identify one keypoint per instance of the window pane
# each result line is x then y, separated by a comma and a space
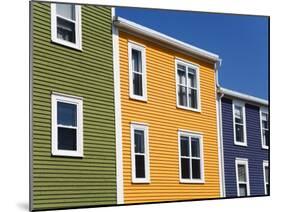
185, 168
196, 170
243, 190
265, 124
66, 10
66, 114
239, 133
266, 174
137, 84
139, 163
65, 30
238, 114
242, 173
265, 137
67, 139
139, 141
195, 147
192, 95
136, 61
182, 95
192, 78
184, 146
267, 189
181, 77
181, 67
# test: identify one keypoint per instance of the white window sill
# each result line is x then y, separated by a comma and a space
67, 153
138, 98
188, 108
265, 147
240, 144
186, 181
141, 181
68, 44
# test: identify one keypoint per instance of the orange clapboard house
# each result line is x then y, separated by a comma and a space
166, 125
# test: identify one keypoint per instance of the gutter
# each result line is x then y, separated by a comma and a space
139, 29
245, 97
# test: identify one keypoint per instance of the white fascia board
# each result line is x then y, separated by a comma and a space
137, 28
243, 96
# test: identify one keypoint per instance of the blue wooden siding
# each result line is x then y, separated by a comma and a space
253, 152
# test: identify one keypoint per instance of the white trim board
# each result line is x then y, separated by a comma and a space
118, 114
137, 28
242, 96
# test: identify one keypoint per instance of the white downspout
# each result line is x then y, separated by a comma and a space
220, 135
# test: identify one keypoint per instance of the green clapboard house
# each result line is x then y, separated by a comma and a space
72, 139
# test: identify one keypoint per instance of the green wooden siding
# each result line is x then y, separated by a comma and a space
63, 182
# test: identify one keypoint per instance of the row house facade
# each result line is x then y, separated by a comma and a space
123, 114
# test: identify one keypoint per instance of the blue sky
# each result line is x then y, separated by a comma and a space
241, 42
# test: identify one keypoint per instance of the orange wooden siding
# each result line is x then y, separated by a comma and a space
164, 120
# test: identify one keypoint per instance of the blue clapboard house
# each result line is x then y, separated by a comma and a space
244, 139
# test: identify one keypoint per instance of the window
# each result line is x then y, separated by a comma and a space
67, 126
137, 72
191, 157
242, 177
66, 24
187, 78
266, 175
239, 123
140, 155
264, 129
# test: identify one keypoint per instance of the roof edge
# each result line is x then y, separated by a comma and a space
132, 26
243, 96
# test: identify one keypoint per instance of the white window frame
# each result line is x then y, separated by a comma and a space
197, 135
240, 104
143, 127
265, 164
78, 28
265, 111
197, 69
141, 48
242, 161
57, 97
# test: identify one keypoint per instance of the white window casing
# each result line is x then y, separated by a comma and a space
189, 135
140, 48
144, 128
55, 97
78, 28
187, 85
264, 113
266, 178
240, 104
242, 162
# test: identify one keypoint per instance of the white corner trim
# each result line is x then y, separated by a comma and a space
118, 115
241, 104
220, 144
78, 28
